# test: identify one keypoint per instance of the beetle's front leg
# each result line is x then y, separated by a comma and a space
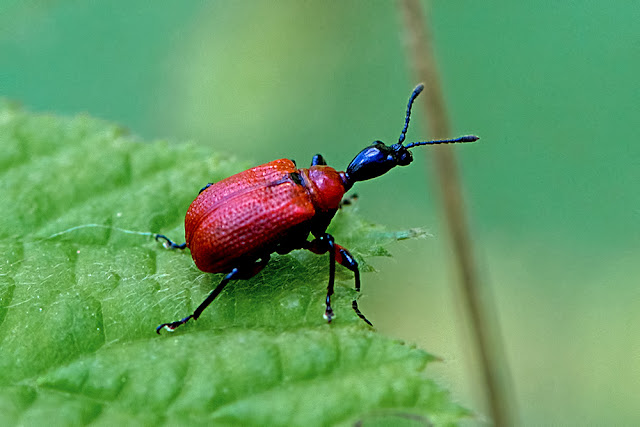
342, 256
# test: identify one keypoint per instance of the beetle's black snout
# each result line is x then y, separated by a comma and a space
377, 159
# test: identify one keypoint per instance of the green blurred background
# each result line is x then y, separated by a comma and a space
551, 87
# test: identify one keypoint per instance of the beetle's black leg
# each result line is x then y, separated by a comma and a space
168, 243
343, 257
318, 160
205, 187
328, 313
321, 245
173, 325
236, 273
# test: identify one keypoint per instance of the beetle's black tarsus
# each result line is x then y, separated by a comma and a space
205, 187
173, 325
318, 160
168, 243
354, 305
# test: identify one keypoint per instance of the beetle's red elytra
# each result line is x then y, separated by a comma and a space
234, 225
238, 217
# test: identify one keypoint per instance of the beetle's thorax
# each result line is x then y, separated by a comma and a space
326, 187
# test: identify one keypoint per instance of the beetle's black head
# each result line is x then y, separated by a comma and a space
379, 158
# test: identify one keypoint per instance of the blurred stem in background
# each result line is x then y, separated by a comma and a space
484, 328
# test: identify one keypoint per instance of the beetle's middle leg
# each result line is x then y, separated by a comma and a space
244, 272
342, 256
318, 160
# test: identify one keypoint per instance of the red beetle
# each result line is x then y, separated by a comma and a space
234, 225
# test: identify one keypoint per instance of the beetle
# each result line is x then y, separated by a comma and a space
234, 225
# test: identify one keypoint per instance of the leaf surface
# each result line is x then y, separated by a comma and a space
83, 285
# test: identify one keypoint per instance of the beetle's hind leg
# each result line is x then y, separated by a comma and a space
173, 325
244, 272
168, 243
342, 256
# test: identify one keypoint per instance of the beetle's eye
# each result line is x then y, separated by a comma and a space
405, 158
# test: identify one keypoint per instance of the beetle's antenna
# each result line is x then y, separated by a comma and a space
412, 98
466, 138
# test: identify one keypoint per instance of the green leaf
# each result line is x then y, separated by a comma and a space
83, 285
